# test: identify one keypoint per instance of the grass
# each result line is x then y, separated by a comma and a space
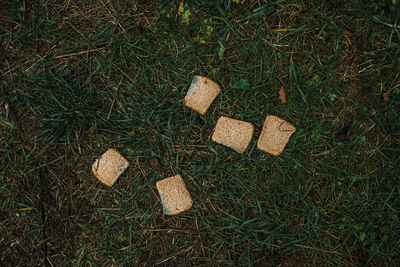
78, 77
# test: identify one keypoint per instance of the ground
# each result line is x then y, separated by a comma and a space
78, 77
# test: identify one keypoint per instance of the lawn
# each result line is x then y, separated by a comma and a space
80, 76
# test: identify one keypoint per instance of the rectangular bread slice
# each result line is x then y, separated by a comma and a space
233, 133
109, 166
201, 94
275, 135
175, 197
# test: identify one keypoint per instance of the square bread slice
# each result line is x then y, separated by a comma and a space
109, 166
233, 133
275, 135
201, 94
175, 197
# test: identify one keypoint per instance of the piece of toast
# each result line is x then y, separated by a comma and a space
233, 133
175, 197
275, 135
109, 166
201, 94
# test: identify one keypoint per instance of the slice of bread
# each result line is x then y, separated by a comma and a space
109, 166
201, 94
233, 133
275, 135
175, 197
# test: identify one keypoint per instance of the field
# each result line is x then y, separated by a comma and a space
80, 76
